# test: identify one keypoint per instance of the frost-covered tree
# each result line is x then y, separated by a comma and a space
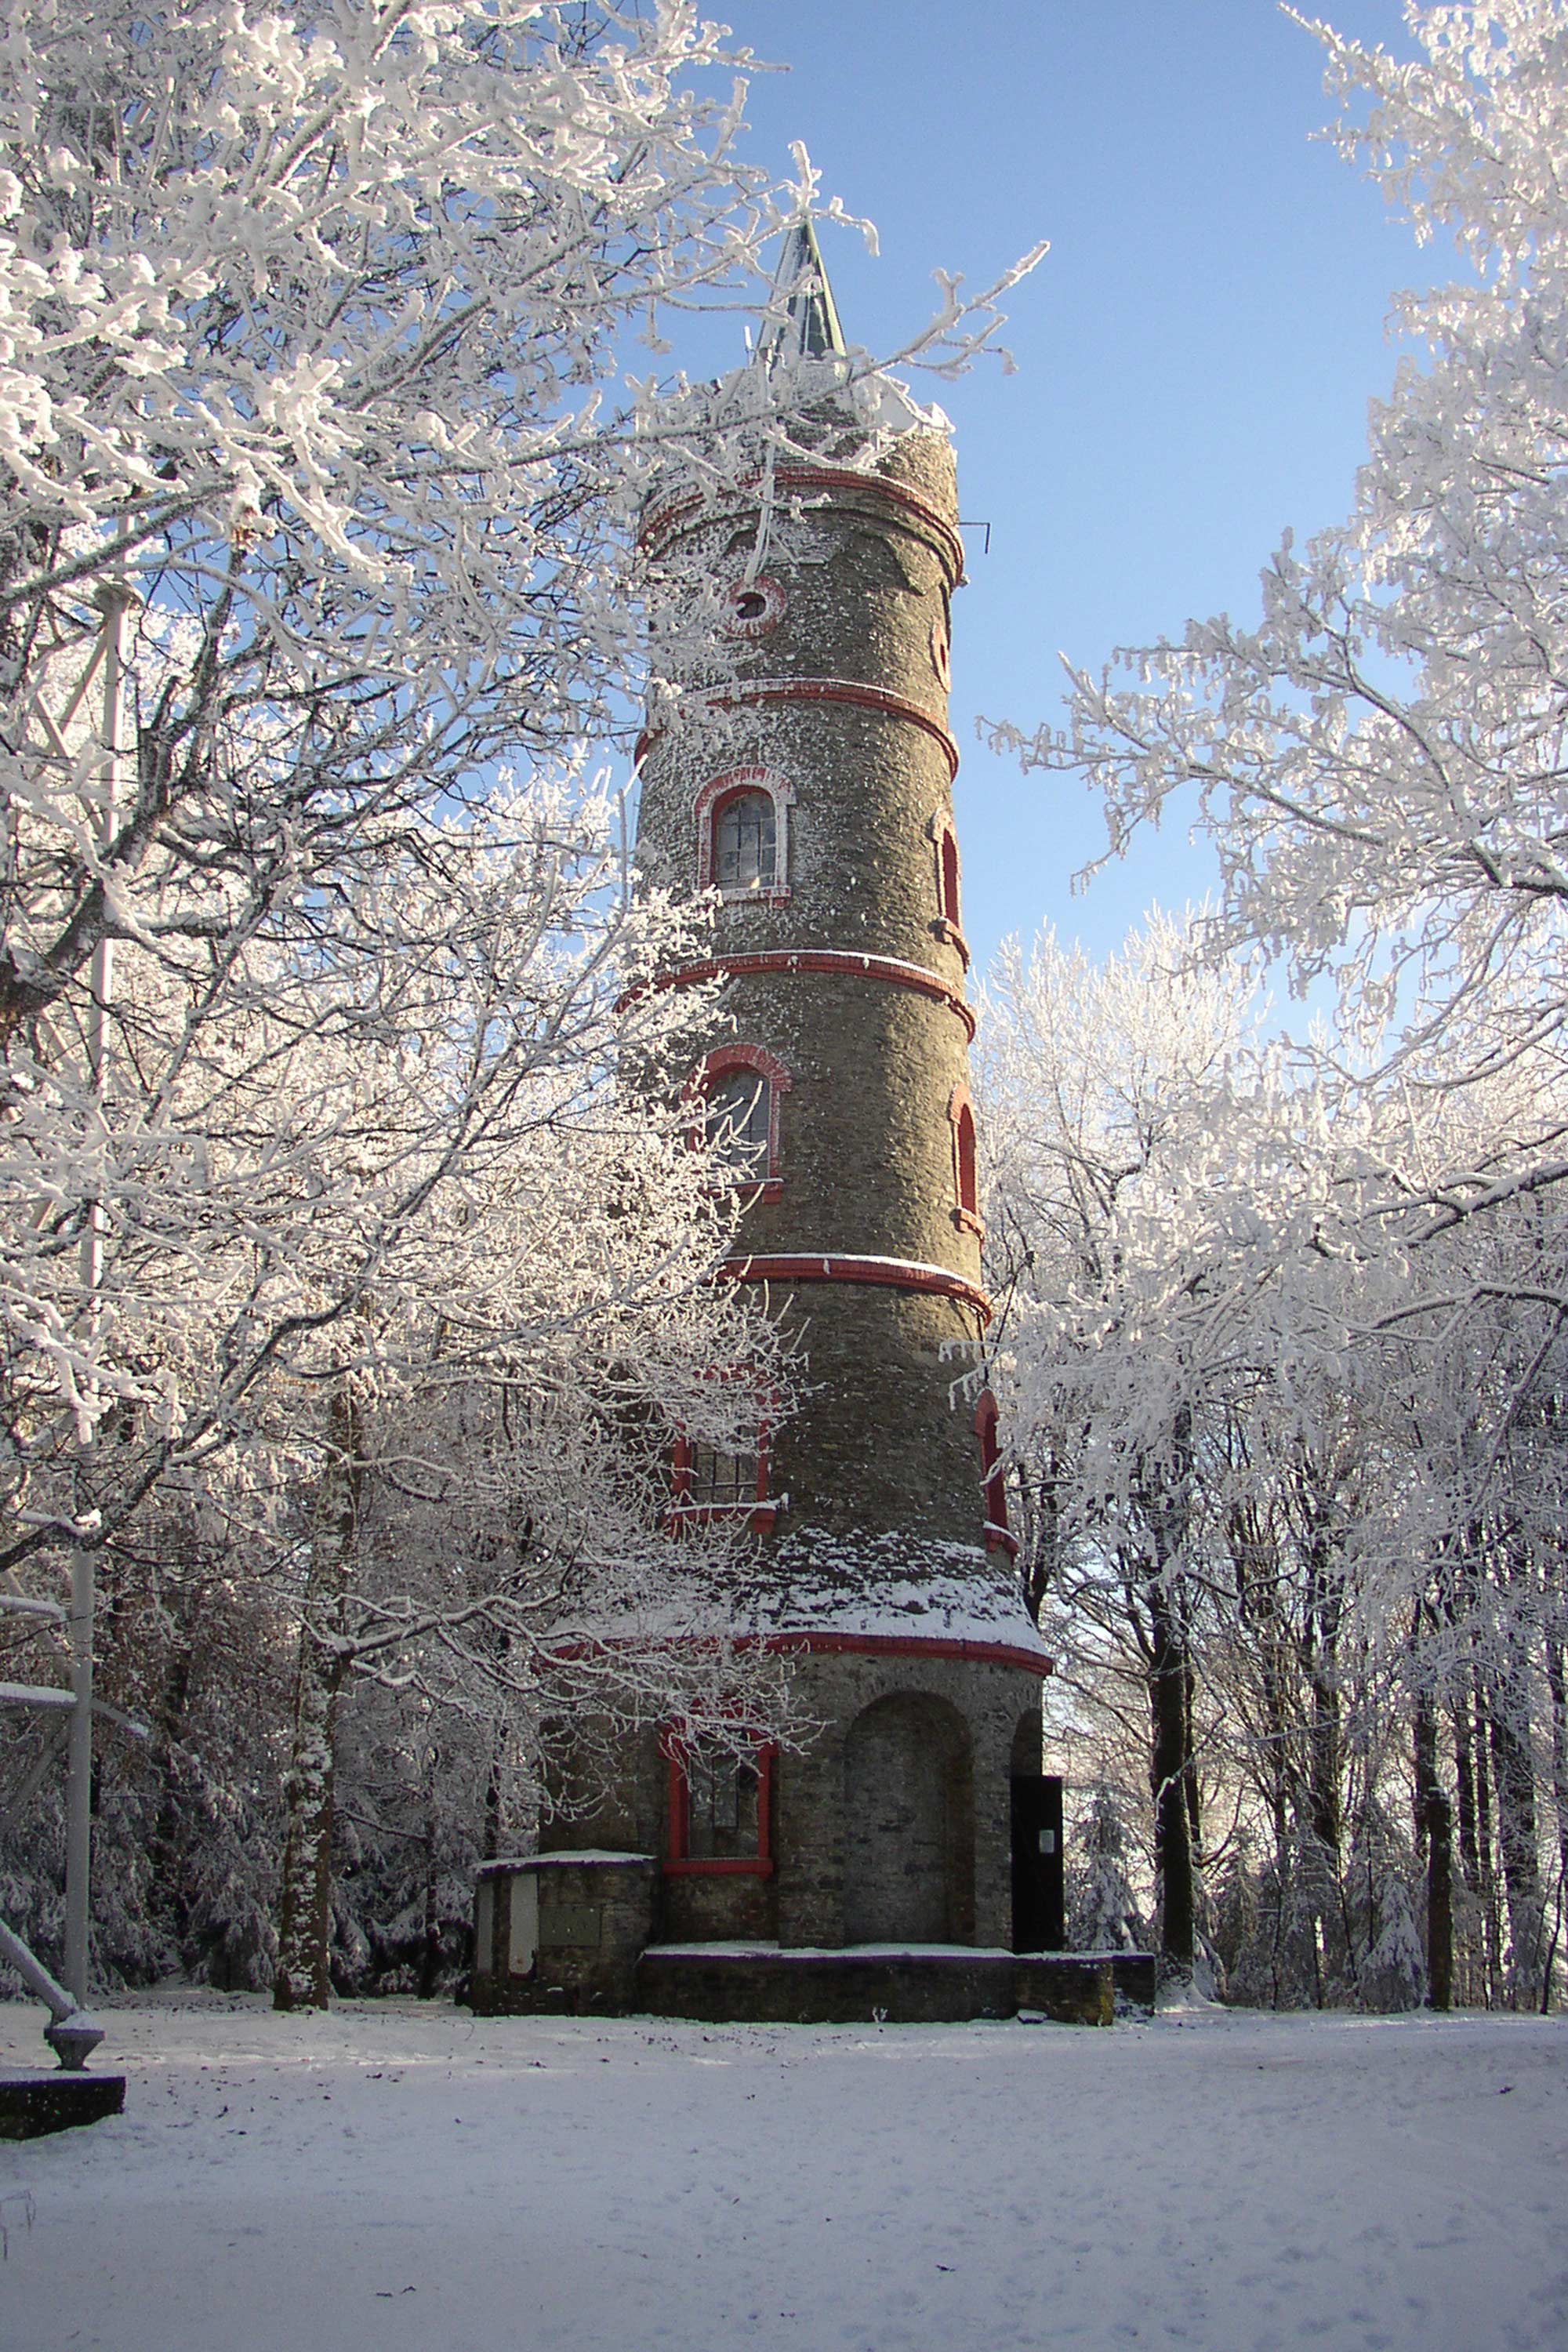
1378, 762
1122, 1144
321, 1001
1378, 765
1103, 1915
316, 340
1289, 1474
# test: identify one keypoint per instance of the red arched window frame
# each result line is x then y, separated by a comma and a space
706, 810
948, 925
681, 1755
722, 1064
993, 1478
965, 1169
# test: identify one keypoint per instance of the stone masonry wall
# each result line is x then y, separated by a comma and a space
826, 1833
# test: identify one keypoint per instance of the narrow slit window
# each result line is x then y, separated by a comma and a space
968, 1194
993, 1478
950, 879
965, 1163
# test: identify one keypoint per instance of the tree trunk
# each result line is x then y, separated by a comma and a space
1492, 1923
1434, 1834
1171, 1765
1557, 1685
1513, 1765
303, 1979
1167, 1503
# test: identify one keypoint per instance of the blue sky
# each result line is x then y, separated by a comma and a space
1195, 353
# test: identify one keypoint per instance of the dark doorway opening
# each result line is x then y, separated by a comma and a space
1039, 1891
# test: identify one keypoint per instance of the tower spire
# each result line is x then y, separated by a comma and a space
804, 324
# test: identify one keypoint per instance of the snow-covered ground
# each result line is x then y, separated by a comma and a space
404, 2175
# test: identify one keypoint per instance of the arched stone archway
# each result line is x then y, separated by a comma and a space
908, 1814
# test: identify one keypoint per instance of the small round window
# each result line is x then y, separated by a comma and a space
752, 608
939, 660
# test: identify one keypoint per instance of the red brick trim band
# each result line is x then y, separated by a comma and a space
890, 1273
838, 477
823, 689
669, 518
914, 1646
828, 959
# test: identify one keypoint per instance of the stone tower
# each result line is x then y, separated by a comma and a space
837, 1086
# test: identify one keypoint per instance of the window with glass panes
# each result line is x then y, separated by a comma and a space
745, 843
723, 1804
715, 1478
736, 1119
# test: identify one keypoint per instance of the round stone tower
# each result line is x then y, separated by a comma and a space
838, 1086
816, 803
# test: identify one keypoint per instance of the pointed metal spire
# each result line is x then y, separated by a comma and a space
807, 323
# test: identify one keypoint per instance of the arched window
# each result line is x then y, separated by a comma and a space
736, 1122
966, 1173
742, 836
735, 1096
949, 875
948, 925
993, 1477
745, 842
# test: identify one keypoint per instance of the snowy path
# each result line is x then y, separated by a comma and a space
396, 2176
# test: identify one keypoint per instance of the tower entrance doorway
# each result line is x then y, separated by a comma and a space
909, 1842
1040, 1921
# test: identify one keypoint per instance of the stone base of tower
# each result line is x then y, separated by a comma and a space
881, 1984
873, 1871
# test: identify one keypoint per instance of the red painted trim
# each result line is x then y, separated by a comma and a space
954, 937
836, 477
910, 1646
993, 1477
966, 1168
773, 600
679, 1861
767, 1067
826, 959
706, 807
879, 699
818, 478
878, 1272
741, 1057
725, 1869
902, 1645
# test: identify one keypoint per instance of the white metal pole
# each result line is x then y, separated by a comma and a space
114, 600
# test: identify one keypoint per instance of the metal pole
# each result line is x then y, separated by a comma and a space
114, 600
